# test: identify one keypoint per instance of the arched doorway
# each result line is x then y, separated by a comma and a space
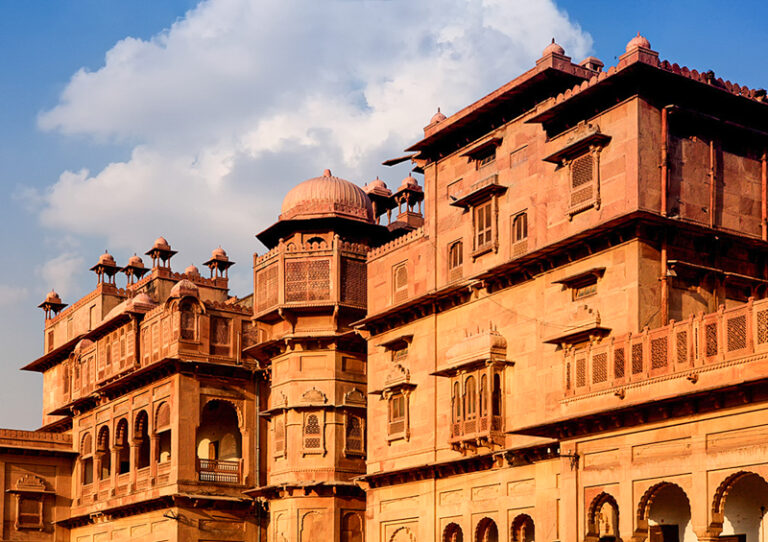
219, 443
741, 504
523, 529
665, 513
486, 531
603, 519
453, 533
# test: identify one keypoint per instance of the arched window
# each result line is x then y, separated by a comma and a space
163, 431
187, 320
470, 398
484, 395
86, 458
219, 443
522, 529
354, 434
123, 447
487, 531
455, 259
104, 453
399, 283
352, 527
141, 437
496, 395
453, 533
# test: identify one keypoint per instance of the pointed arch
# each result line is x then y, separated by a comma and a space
523, 529
486, 531
453, 533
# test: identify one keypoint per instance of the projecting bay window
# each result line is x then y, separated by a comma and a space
481, 200
475, 367
476, 406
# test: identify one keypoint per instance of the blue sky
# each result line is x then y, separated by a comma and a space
124, 120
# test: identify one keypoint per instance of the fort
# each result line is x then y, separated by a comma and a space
559, 334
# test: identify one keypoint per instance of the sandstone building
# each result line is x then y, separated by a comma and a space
560, 335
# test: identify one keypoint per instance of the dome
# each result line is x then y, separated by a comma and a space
638, 41
410, 182
376, 183
107, 259
326, 196
437, 117
142, 300
553, 48
192, 271
52, 297
135, 261
161, 243
184, 288
219, 254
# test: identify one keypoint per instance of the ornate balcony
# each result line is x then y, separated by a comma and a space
219, 471
684, 349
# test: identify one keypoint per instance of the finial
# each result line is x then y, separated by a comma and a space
326, 173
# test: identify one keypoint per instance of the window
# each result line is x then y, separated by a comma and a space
123, 448
396, 416
470, 398
584, 188
29, 512
484, 226
50, 340
220, 336
354, 435
141, 437
520, 227
163, 430
476, 407
486, 157
86, 459
455, 260
399, 283
105, 454
585, 290
279, 422
313, 434
188, 327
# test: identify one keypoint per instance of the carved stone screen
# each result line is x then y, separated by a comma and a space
266, 288
307, 280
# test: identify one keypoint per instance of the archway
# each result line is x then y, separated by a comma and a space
219, 443
486, 531
664, 514
141, 438
453, 533
603, 519
740, 507
523, 529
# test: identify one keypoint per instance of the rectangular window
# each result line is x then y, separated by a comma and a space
485, 157
483, 225
396, 424
220, 336
50, 340
399, 283
583, 183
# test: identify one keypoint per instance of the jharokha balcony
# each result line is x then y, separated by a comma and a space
220, 471
720, 349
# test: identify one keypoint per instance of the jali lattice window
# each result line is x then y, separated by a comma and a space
313, 441
354, 435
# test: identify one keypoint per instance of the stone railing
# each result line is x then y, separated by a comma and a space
476, 428
678, 349
418, 233
219, 471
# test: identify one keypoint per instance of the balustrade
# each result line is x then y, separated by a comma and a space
219, 471
678, 348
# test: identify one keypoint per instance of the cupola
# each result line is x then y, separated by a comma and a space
219, 263
106, 267
52, 304
161, 252
135, 269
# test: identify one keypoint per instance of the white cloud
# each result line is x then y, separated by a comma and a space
61, 273
240, 100
10, 295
